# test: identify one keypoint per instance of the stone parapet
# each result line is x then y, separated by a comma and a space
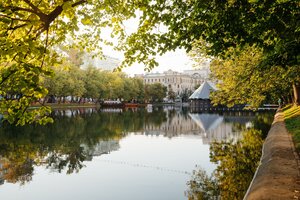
277, 177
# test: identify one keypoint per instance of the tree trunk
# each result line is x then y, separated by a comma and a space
296, 91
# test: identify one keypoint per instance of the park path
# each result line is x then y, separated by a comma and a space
278, 176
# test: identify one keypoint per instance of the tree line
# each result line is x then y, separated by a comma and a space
92, 84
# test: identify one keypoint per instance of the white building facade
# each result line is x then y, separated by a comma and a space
176, 81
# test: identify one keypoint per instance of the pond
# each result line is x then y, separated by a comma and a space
161, 153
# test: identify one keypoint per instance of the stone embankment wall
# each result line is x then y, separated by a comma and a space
278, 176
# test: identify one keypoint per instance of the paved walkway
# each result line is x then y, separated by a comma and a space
278, 176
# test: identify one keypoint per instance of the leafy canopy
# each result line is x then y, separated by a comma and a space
31, 30
255, 45
245, 81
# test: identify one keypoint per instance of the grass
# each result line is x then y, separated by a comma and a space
292, 122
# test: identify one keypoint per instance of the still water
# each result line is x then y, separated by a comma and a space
114, 154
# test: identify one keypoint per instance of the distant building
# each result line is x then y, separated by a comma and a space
176, 81
199, 73
107, 63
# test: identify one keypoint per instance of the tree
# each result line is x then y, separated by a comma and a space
171, 94
225, 27
243, 81
32, 30
213, 28
93, 83
67, 81
186, 93
155, 92
139, 85
133, 89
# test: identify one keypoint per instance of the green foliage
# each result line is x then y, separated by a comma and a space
242, 79
185, 95
31, 31
171, 94
93, 83
231, 32
155, 92
218, 25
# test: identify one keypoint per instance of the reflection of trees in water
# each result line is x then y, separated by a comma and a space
202, 187
17, 170
66, 143
72, 160
236, 165
76, 136
236, 162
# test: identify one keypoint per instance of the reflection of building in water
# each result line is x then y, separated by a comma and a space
103, 147
211, 127
215, 127
175, 125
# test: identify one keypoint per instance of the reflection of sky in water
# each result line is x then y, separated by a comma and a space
144, 167
155, 163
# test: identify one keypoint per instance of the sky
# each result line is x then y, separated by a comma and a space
176, 60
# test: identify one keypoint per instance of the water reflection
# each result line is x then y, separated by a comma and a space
236, 159
208, 126
79, 135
